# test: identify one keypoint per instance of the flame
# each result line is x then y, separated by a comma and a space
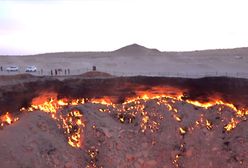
50, 106
73, 124
209, 124
7, 119
144, 121
104, 101
231, 125
63, 102
199, 104
176, 160
163, 95
177, 118
182, 131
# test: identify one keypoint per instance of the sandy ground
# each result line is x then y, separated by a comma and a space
138, 60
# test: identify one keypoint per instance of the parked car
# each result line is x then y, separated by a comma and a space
12, 68
31, 69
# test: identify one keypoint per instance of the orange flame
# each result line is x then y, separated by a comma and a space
7, 119
231, 125
168, 96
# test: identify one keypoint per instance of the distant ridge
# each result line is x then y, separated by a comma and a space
135, 49
139, 50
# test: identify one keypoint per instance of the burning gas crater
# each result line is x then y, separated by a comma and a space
73, 123
148, 110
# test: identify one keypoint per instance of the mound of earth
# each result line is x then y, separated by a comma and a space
161, 133
15, 77
35, 141
72, 124
93, 74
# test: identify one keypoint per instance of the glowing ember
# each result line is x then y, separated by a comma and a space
182, 131
144, 122
104, 101
126, 112
122, 118
177, 118
175, 161
92, 153
63, 102
7, 119
209, 124
52, 105
73, 124
231, 125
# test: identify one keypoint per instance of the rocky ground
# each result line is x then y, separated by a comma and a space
153, 133
36, 142
145, 132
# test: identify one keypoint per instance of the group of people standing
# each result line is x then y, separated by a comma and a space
56, 72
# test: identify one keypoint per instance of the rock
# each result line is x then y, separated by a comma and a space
130, 157
138, 154
214, 149
118, 146
189, 153
137, 165
68, 165
42, 126
98, 134
145, 153
141, 161
150, 164
29, 148
144, 145
107, 133
55, 161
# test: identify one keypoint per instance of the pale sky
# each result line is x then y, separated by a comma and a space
38, 26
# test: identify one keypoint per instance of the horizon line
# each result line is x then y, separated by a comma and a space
138, 45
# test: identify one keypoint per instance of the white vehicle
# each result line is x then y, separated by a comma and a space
31, 69
12, 68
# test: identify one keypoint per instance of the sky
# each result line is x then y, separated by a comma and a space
41, 26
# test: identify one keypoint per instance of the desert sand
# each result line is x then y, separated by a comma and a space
135, 60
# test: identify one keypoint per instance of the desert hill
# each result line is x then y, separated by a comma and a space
135, 59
